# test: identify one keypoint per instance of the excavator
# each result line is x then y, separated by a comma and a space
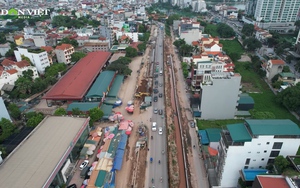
140, 94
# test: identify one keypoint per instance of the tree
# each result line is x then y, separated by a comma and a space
251, 44
142, 47
6, 129
10, 53
95, 115
225, 31
35, 120
66, 40
14, 111
286, 69
275, 78
142, 28
289, 59
290, 97
185, 50
28, 74
297, 23
121, 68
3, 151
53, 70
131, 52
76, 56
179, 42
23, 57
23, 85
281, 164
272, 42
234, 56
248, 29
76, 111
279, 50
240, 15
60, 112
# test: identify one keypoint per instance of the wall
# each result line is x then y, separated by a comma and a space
191, 35
219, 100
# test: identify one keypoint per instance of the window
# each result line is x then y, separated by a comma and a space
277, 145
247, 161
262, 159
265, 151
245, 167
268, 143
274, 153
271, 161
260, 167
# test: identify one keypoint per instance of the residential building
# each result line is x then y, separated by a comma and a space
4, 48
212, 47
266, 181
273, 67
276, 15
99, 44
39, 39
7, 77
50, 52
108, 33
199, 6
37, 56
133, 36
64, 52
261, 34
20, 66
87, 31
19, 39
298, 43
3, 113
190, 35
216, 104
253, 145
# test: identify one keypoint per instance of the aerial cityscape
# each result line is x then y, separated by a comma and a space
150, 94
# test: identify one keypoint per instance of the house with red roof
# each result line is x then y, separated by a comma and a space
273, 67
51, 53
63, 53
212, 47
272, 181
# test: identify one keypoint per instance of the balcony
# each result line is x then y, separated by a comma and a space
226, 137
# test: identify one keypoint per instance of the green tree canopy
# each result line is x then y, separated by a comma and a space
225, 31
76, 111
171, 18
14, 111
248, 29
23, 85
35, 120
28, 74
142, 47
131, 52
95, 115
53, 70
179, 42
67, 40
60, 112
76, 56
290, 97
6, 129
251, 44
281, 163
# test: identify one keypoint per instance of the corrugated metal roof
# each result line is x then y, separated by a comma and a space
101, 84
114, 90
239, 132
100, 178
203, 137
107, 109
273, 127
213, 134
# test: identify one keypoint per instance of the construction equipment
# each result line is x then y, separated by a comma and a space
140, 94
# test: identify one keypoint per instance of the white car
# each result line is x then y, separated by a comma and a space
160, 130
155, 110
83, 164
154, 126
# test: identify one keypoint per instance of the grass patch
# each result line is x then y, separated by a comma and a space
211, 29
167, 30
264, 101
232, 46
204, 124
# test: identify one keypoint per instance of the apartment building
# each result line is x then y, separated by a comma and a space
50, 52
63, 53
37, 56
276, 15
252, 145
4, 48
273, 67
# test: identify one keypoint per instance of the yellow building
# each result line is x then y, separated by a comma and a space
19, 39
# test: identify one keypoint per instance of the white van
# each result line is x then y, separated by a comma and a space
161, 73
154, 126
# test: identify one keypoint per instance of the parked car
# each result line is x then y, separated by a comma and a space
83, 164
155, 91
155, 110
160, 95
72, 186
160, 85
160, 130
155, 98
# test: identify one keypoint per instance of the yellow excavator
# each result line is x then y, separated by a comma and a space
140, 94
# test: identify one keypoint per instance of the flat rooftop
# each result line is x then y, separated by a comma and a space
33, 161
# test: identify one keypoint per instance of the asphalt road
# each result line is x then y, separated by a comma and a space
158, 143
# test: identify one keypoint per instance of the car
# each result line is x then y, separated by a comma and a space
83, 164
153, 126
155, 90
155, 110
160, 95
157, 63
72, 186
160, 130
156, 82
160, 85
155, 98
160, 112
192, 124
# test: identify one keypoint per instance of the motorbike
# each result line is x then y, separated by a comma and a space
163, 152
151, 160
158, 161
152, 180
161, 179
152, 137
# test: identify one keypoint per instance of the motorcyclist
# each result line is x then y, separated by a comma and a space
158, 161
161, 179
152, 180
151, 137
163, 151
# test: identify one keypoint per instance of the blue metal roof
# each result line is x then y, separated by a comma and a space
123, 141
203, 137
118, 160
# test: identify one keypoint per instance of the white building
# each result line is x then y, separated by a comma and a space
199, 6
88, 31
37, 56
219, 95
253, 145
277, 15
4, 48
64, 52
133, 36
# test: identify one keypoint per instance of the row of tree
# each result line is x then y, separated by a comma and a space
67, 21
183, 48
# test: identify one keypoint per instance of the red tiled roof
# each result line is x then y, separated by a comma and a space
195, 43
63, 47
272, 182
212, 44
277, 62
47, 48
82, 38
196, 56
22, 64
205, 39
135, 44
7, 62
211, 53
12, 71
18, 36
75, 83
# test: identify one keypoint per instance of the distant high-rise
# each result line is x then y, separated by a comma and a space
277, 10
